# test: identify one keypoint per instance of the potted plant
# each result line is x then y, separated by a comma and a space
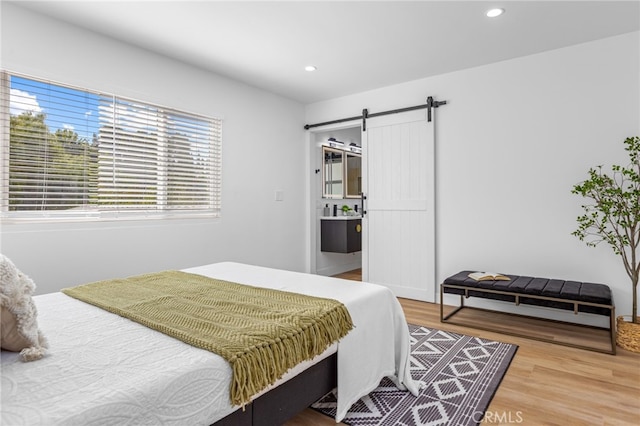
614, 217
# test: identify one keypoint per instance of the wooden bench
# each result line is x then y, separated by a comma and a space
560, 294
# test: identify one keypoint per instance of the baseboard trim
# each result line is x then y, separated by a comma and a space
338, 269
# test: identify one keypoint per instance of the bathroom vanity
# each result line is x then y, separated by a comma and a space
341, 234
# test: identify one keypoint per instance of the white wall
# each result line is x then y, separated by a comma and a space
263, 151
513, 139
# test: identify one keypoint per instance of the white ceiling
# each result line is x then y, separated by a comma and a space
356, 45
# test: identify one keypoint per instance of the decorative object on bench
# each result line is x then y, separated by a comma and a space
488, 276
18, 315
560, 294
614, 217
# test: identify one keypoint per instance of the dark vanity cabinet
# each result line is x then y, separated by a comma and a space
341, 234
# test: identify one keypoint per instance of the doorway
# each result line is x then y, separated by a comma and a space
337, 178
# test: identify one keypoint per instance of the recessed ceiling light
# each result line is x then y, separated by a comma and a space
310, 68
493, 13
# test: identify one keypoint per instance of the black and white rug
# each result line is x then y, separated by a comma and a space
462, 374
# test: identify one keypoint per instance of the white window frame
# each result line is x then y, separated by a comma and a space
192, 161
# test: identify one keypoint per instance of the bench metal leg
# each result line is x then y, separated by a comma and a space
612, 329
450, 314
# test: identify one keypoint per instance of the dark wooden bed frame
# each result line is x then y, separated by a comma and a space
291, 397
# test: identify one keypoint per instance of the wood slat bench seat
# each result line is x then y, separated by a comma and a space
559, 294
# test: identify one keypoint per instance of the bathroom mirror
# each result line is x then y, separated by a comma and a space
332, 173
353, 175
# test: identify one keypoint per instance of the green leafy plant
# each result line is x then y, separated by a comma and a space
614, 214
345, 208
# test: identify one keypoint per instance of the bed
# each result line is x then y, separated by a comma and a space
105, 369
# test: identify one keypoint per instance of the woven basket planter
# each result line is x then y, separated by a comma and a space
628, 335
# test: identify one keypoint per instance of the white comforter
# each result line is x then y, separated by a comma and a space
104, 369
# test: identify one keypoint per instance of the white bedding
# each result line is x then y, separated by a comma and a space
102, 369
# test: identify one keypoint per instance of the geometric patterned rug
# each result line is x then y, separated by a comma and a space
462, 374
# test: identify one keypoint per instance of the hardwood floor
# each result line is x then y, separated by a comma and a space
546, 384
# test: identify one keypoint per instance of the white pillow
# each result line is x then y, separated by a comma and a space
18, 315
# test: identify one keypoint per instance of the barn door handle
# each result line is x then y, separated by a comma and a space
362, 198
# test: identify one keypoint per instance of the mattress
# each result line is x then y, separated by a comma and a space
104, 369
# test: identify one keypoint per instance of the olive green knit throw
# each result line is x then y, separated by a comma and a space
261, 332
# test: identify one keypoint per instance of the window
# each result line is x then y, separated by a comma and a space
73, 153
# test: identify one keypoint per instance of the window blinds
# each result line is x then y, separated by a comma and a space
74, 152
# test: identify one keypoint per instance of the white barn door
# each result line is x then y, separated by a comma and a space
398, 182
